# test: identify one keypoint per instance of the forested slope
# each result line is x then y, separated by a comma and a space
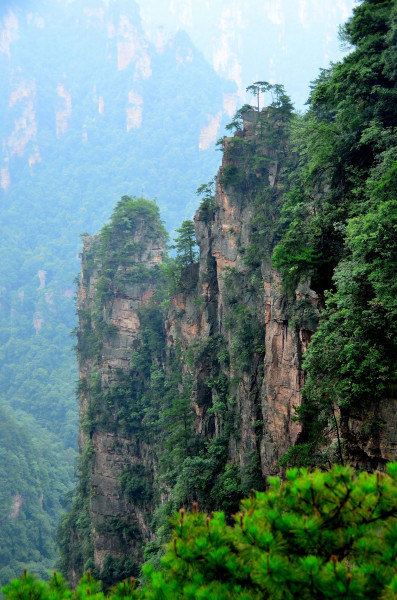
35, 476
339, 226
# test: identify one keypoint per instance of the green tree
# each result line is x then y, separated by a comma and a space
338, 229
206, 191
185, 244
258, 88
319, 535
237, 124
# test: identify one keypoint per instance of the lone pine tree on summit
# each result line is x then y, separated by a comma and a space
257, 88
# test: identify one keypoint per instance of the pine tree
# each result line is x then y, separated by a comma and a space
317, 535
185, 244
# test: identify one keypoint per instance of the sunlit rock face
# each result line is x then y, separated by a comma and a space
277, 40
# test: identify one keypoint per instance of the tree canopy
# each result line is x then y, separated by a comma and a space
324, 535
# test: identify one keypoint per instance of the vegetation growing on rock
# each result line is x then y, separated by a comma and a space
339, 228
192, 370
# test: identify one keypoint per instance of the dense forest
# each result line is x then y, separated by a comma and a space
338, 227
33, 462
261, 349
317, 535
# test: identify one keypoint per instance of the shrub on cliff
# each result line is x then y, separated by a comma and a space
317, 535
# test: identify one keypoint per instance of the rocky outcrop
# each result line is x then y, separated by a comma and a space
232, 295
190, 382
229, 344
282, 382
113, 288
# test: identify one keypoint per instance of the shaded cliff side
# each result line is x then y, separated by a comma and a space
120, 268
187, 391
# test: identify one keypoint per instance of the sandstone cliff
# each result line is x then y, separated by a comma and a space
186, 395
239, 299
189, 390
118, 279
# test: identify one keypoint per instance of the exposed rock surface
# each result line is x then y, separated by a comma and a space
230, 339
268, 391
225, 307
112, 450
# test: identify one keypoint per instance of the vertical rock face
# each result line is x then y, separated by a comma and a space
282, 375
194, 401
242, 302
190, 395
118, 278
368, 446
188, 390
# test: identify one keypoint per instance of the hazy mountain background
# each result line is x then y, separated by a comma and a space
283, 41
96, 102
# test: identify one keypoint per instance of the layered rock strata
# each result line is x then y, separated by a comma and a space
245, 337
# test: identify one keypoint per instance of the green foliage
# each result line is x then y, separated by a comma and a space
208, 201
351, 362
248, 335
116, 252
309, 244
338, 230
232, 176
181, 272
259, 87
185, 244
238, 119
35, 476
190, 462
338, 142
324, 535
242, 320
136, 483
74, 535
318, 535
